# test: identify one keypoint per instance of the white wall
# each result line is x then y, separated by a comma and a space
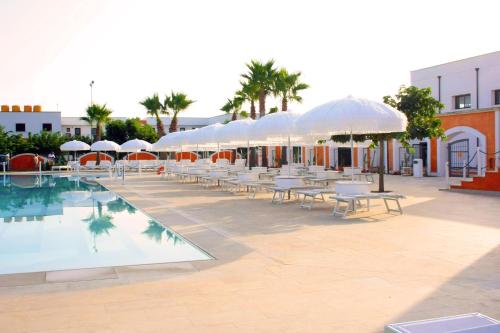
33, 121
459, 77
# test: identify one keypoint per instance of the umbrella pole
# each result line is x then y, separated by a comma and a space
248, 154
288, 158
352, 158
324, 155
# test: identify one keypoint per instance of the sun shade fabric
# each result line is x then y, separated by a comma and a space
135, 145
105, 145
206, 135
74, 145
276, 127
356, 115
235, 132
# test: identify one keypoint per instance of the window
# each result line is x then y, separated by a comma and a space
462, 102
68, 130
47, 127
182, 129
20, 127
93, 131
78, 131
497, 96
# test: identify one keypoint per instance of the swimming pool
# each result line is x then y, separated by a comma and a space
62, 222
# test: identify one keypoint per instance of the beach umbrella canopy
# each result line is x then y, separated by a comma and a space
351, 116
235, 132
206, 135
135, 145
74, 145
105, 145
279, 127
165, 142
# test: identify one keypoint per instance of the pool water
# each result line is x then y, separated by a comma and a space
62, 222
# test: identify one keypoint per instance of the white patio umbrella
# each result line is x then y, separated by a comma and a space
350, 116
105, 145
236, 133
279, 128
135, 145
205, 137
74, 146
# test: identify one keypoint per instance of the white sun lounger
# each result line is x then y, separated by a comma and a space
466, 323
313, 195
352, 201
279, 193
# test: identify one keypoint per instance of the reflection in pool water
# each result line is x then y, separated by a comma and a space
62, 222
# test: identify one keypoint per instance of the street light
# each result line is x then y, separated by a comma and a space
91, 86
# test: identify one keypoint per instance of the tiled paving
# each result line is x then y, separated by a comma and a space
280, 268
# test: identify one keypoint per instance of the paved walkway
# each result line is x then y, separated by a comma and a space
284, 269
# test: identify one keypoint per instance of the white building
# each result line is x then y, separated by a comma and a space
76, 126
188, 123
30, 122
470, 92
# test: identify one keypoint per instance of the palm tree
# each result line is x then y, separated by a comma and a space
98, 114
250, 93
177, 102
155, 108
287, 86
262, 76
233, 106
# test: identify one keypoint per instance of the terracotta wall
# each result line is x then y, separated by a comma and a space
141, 156
24, 162
319, 156
186, 155
483, 122
93, 157
225, 154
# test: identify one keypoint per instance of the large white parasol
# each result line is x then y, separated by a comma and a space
135, 145
105, 145
279, 128
74, 146
350, 116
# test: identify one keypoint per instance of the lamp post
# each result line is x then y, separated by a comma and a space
91, 86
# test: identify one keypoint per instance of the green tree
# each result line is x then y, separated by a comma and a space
136, 129
99, 115
46, 142
288, 86
116, 131
249, 92
421, 109
154, 108
177, 102
233, 106
262, 76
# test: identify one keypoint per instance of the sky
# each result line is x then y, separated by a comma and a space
52, 49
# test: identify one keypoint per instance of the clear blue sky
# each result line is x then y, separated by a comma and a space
52, 49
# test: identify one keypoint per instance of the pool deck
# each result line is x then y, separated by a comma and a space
280, 268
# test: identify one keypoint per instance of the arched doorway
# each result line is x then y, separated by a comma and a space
461, 145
